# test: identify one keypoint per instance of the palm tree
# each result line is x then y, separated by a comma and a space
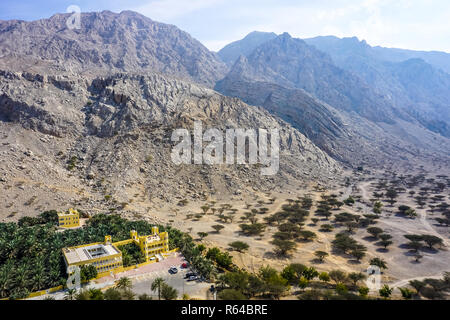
38, 280
5, 281
156, 285
20, 276
70, 294
221, 281
124, 283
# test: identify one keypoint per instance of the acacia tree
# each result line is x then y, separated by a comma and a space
283, 247
431, 240
205, 208
239, 246
202, 235
406, 293
324, 276
307, 235
375, 231
218, 227
380, 263
377, 207
356, 276
358, 252
321, 255
337, 276
385, 240
391, 194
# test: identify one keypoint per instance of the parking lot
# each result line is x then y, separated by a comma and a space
143, 277
175, 259
195, 289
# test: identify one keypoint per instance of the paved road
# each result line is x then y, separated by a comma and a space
195, 289
405, 282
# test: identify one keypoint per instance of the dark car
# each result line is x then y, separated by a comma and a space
189, 274
173, 270
193, 278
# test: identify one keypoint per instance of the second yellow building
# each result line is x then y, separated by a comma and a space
69, 219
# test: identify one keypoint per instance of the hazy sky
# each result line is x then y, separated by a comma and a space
410, 24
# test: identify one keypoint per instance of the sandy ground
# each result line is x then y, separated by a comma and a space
401, 263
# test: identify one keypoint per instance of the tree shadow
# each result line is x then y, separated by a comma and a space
430, 250
353, 261
276, 256
411, 253
300, 240
316, 261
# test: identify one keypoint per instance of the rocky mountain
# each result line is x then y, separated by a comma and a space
413, 84
292, 63
335, 45
111, 135
347, 137
106, 42
337, 109
231, 52
94, 109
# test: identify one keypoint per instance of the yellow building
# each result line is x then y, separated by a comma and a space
156, 243
106, 257
69, 219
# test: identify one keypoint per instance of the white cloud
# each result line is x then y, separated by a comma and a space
170, 9
216, 45
415, 24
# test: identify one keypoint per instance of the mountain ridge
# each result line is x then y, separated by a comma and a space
415, 85
107, 42
282, 73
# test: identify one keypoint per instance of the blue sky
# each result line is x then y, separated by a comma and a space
411, 24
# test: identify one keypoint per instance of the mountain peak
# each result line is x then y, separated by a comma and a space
255, 33
107, 42
231, 52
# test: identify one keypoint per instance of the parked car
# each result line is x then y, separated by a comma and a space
193, 278
173, 270
184, 265
189, 274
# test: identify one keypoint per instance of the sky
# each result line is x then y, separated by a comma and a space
408, 24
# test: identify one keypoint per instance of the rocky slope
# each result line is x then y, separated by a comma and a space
106, 42
413, 84
292, 63
335, 108
347, 137
76, 140
438, 59
231, 52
